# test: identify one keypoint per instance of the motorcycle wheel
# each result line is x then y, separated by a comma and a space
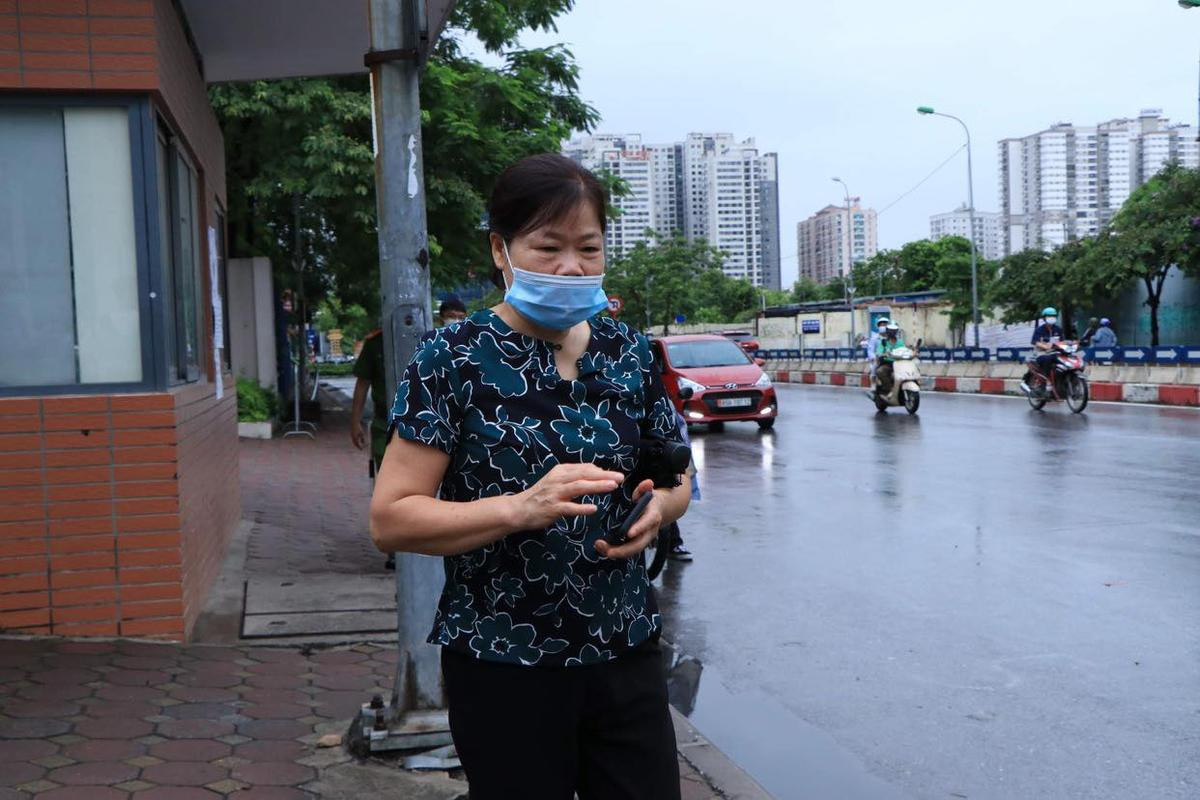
766, 424
881, 405
1037, 399
1077, 392
912, 401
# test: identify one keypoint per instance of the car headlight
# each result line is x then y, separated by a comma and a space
684, 383
763, 381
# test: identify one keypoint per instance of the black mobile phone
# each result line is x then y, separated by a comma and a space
618, 535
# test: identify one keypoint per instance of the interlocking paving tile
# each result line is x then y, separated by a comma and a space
103, 750
52, 762
274, 729
270, 793
37, 786
274, 773
195, 729
18, 772
32, 728
118, 728
176, 793
184, 773
190, 750
226, 786
143, 761
275, 711
40, 709
83, 793
130, 694
133, 786
201, 694
268, 750
93, 773
25, 749
110, 708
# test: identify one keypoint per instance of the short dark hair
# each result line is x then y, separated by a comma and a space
538, 190
452, 304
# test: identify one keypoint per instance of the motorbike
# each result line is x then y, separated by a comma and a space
906, 383
1066, 382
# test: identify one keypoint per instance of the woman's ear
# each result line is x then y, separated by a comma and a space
497, 243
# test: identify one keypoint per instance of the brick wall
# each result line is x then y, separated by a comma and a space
78, 44
115, 511
185, 98
209, 489
113, 45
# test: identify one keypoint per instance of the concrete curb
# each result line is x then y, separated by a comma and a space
1170, 386
726, 777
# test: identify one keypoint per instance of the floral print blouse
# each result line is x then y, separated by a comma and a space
493, 400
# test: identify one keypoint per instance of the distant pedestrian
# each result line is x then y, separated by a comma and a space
670, 536
451, 310
372, 379
1105, 335
511, 438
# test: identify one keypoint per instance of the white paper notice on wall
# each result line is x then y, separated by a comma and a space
218, 311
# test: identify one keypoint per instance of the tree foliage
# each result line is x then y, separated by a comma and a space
669, 276
1157, 229
300, 156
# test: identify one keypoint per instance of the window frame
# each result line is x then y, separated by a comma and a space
153, 372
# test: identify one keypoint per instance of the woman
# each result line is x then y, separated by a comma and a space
514, 432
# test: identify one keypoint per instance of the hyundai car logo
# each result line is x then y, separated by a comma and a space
731, 386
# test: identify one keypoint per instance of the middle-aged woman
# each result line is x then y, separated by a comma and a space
511, 438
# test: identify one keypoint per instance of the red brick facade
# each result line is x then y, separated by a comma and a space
116, 510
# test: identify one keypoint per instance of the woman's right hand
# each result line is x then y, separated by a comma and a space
554, 496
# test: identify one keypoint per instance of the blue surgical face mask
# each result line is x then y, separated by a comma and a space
557, 302
1051, 320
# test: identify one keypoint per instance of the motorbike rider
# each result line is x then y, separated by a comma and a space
873, 342
1044, 337
1105, 336
891, 341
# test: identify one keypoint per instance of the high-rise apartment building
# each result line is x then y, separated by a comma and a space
989, 229
1068, 181
828, 247
708, 187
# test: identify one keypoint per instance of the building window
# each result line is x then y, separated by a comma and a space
179, 244
70, 309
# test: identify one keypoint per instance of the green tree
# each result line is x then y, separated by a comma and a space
805, 290
1157, 229
1069, 278
952, 274
669, 276
300, 160
835, 289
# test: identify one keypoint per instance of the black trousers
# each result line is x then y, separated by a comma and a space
545, 733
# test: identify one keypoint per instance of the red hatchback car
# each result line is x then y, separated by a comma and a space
710, 379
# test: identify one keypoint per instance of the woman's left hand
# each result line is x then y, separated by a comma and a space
642, 532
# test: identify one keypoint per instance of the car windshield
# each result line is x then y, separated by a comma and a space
706, 353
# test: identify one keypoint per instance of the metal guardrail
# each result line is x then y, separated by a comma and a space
1161, 355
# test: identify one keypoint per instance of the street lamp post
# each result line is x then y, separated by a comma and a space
1189, 4
971, 202
847, 285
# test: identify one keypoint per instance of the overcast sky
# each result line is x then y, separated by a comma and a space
832, 86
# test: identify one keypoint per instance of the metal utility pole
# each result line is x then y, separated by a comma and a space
926, 110
848, 276
397, 31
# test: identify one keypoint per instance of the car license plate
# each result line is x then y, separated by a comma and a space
733, 402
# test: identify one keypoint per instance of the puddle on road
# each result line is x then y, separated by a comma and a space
790, 758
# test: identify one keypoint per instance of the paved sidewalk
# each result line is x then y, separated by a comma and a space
204, 721
90, 720
307, 499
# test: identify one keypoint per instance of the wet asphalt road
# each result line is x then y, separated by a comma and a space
982, 601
